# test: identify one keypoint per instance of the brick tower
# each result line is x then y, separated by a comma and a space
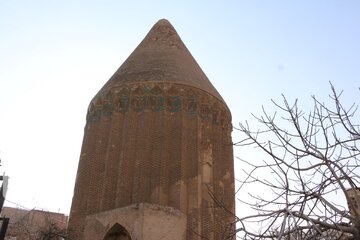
156, 152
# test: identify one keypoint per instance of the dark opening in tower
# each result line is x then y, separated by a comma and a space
117, 232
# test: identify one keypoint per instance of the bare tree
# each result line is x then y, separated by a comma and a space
51, 229
310, 167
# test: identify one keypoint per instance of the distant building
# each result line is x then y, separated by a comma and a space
34, 224
354, 203
157, 156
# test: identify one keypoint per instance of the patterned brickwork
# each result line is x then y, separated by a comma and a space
160, 142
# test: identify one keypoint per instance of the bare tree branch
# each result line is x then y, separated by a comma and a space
311, 165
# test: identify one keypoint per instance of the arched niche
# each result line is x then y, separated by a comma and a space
117, 232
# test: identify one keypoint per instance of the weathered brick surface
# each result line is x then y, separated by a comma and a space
138, 221
157, 132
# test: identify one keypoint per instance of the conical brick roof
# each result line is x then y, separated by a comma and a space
162, 57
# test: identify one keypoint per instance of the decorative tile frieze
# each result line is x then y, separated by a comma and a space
170, 98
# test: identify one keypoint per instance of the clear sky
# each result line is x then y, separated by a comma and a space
56, 55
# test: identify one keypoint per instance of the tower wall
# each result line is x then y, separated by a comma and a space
157, 143
158, 133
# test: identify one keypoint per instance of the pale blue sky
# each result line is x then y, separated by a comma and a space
55, 55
